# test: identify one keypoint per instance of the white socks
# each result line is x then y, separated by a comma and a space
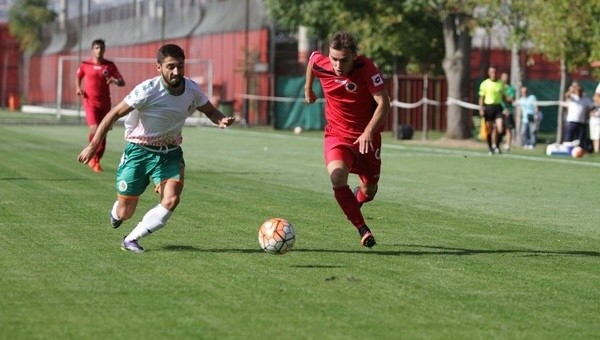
155, 219
113, 212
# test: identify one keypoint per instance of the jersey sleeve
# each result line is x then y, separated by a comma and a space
113, 71
140, 94
80, 72
376, 83
200, 98
482, 88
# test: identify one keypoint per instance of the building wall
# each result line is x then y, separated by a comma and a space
9, 66
226, 50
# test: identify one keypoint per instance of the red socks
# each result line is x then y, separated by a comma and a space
349, 204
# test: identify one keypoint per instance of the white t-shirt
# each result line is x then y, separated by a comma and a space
578, 108
159, 116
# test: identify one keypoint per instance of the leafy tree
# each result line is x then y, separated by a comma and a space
399, 32
25, 21
457, 21
394, 38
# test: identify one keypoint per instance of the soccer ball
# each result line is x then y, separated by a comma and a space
276, 236
577, 152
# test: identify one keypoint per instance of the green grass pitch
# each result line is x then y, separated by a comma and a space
469, 246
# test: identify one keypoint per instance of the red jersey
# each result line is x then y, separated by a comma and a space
95, 76
349, 103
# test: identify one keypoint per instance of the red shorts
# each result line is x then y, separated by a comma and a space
95, 114
367, 166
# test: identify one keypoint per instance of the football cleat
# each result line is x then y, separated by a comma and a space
131, 246
113, 221
367, 239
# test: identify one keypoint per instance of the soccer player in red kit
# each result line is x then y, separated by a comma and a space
98, 73
357, 104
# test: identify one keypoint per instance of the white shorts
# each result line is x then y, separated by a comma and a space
594, 128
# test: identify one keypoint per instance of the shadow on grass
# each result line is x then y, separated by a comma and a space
439, 250
420, 251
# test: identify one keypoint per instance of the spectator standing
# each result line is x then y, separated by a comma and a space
357, 104
595, 121
578, 107
491, 98
529, 109
97, 74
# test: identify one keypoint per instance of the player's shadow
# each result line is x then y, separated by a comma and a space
419, 250
441, 250
184, 248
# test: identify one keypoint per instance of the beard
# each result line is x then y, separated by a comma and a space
174, 81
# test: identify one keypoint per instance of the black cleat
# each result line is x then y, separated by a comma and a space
367, 239
114, 222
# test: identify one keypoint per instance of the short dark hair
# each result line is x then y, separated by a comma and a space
99, 42
341, 40
169, 50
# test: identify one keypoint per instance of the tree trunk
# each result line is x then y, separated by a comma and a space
457, 42
516, 79
559, 113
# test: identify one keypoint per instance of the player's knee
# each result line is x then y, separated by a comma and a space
371, 192
338, 178
170, 202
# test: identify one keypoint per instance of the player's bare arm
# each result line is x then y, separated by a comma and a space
215, 115
113, 80
78, 89
309, 94
365, 140
120, 110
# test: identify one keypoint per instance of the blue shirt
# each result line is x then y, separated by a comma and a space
528, 107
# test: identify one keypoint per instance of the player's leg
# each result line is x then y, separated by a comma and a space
337, 166
157, 217
368, 169
508, 128
168, 176
122, 209
338, 160
93, 119
499, 124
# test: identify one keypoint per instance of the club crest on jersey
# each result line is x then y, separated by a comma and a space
348, 85
377, 79
351, 87
122, 185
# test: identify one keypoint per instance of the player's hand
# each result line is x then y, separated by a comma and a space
310, 96
86, 155
226, 121
365, 143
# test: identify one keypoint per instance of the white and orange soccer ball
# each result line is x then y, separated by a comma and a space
577, 152
276, 236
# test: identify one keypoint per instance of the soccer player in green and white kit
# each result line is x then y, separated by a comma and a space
153, 131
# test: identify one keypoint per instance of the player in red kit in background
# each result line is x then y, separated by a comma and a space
357, 104
97, 73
